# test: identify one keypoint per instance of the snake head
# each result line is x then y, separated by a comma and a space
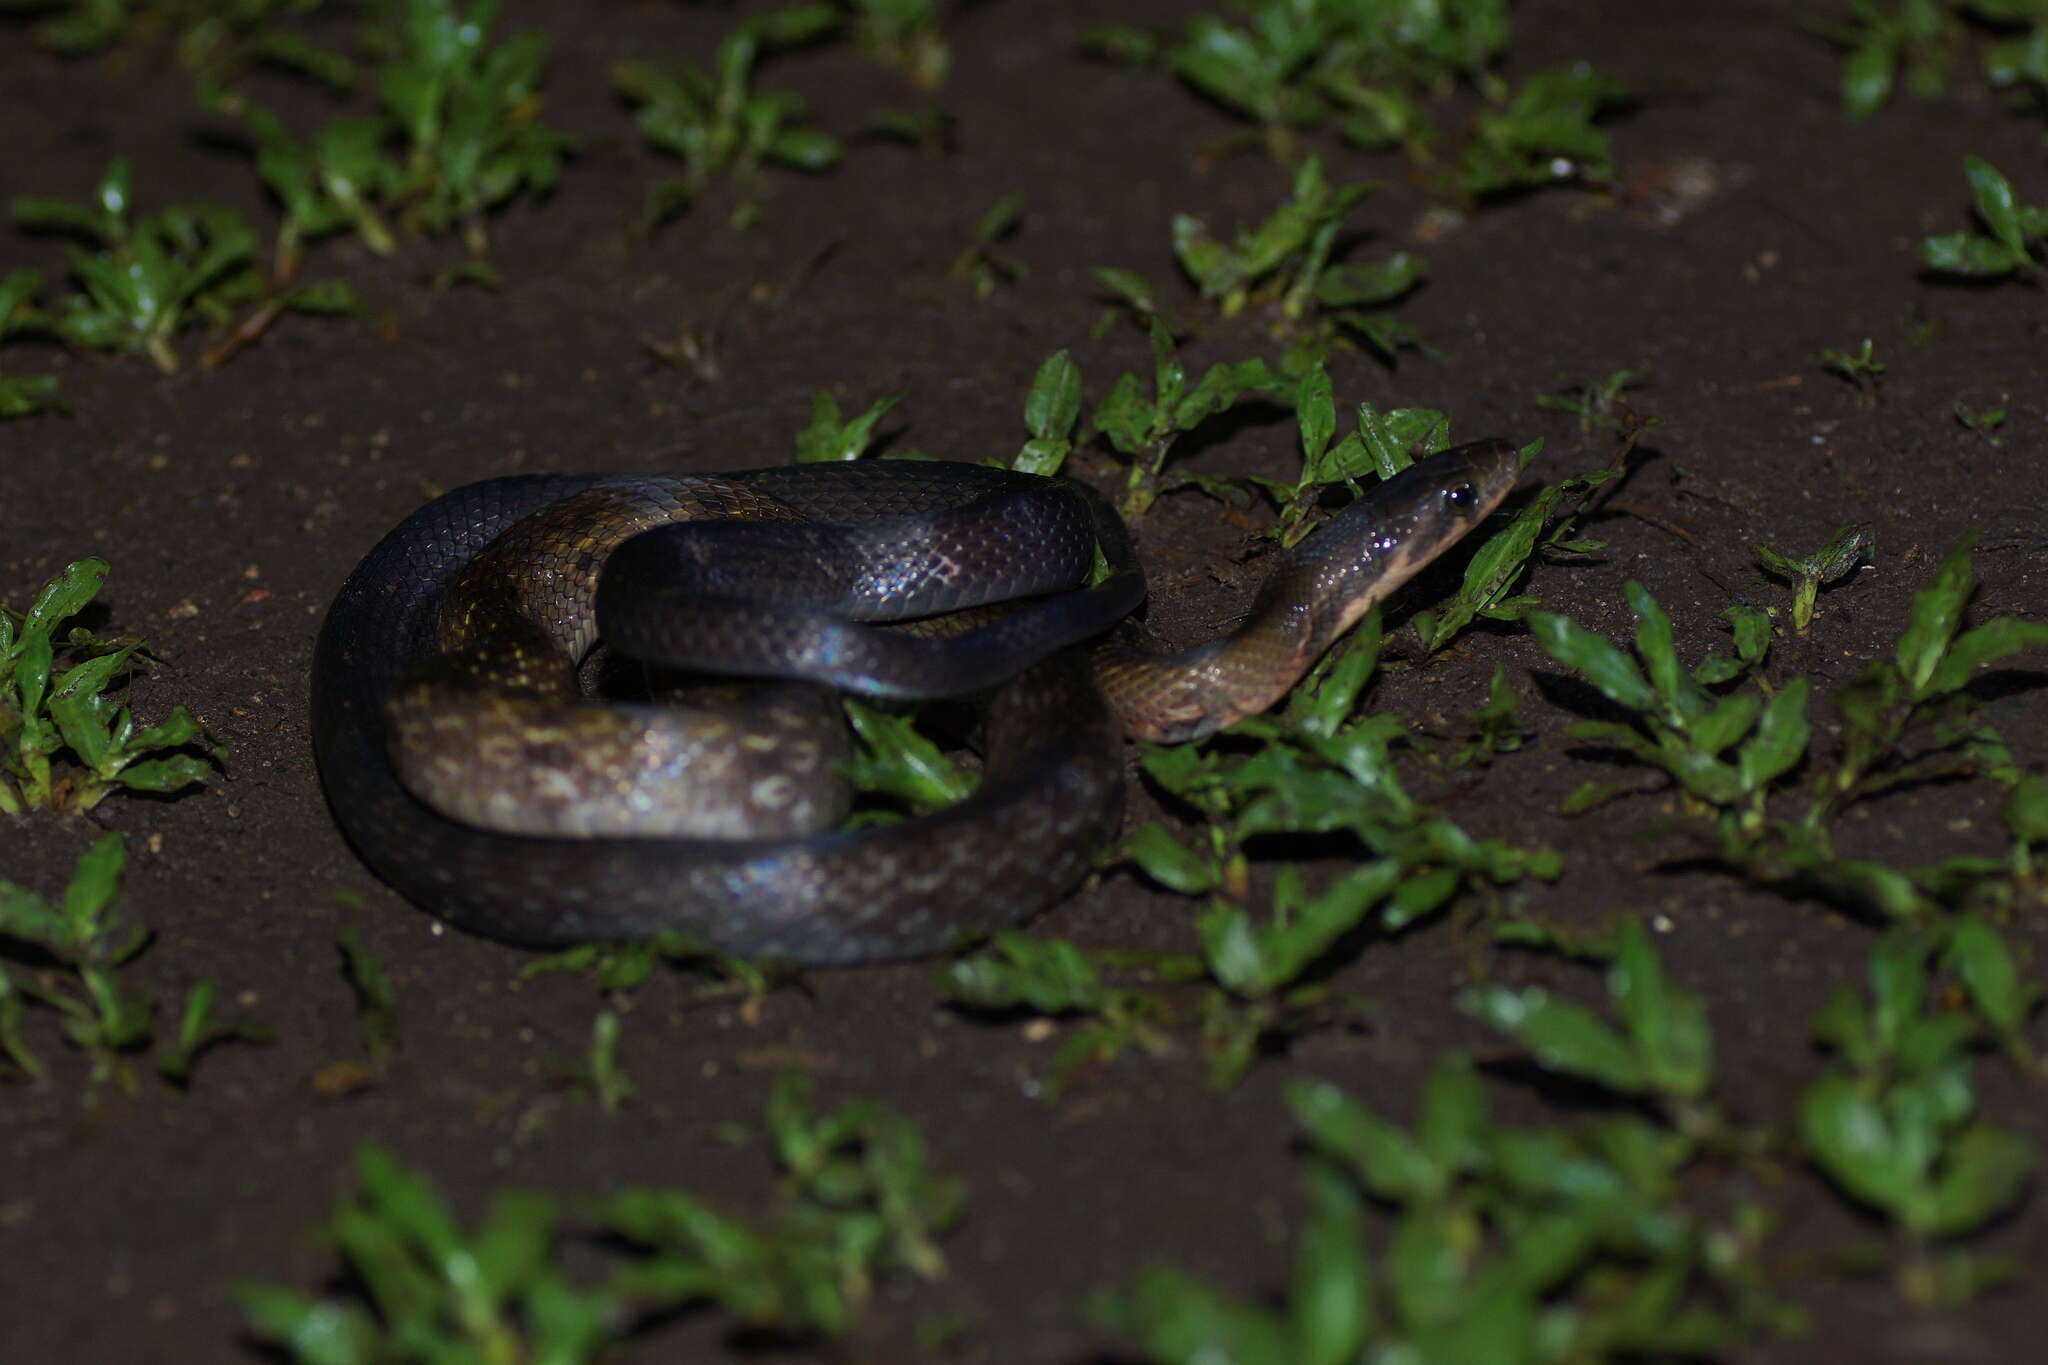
1381, 541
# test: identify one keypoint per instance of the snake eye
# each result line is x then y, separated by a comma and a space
1460, 496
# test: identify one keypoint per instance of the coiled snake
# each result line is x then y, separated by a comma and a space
464, 765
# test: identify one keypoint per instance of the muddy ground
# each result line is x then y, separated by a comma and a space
232, 503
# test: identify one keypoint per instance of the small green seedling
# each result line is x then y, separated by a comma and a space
1913, 37
860, 1202
87, 941
1680, 726
1921, 37
1596, 405
827, 438
1984, 421
23, 394
1935, 658
1259, 71
904, 36
1678, 723
627, 966
335, 181
1496, 727
200, 1030
603, 1072
465, 109
45, 713
984, 264
1053, 978
1123, 44
1544, 134
376, 1000
2017, 230
929, 127
74, 28
717, 124
216, 43
90, 941
1506, 1245
1322, 771
1859, 367
2016, 60
1991, 883
1144, 426
1300, 64
187, 266
1898, 1132
1282, 267
150, 278
1832, 562
435, 1292
1663, 1050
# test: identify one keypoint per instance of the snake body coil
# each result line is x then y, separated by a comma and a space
459, 637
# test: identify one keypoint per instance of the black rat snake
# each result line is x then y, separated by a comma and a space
447, 667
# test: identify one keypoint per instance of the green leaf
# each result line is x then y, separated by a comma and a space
1126, 416
1051, 976
1563, 1036
1169, 373
1163, 858
169, 774
1988, 643
64, 596
93, 883
1181, 1321
326, 298
1366, 283
1659, 654
315, 1331
827, 439
1205, 259
805, 148
1995, 203
1223, 385
1606, 667
1322, 705
1727, 722
1330, 1308
1053, 404
1780, 740
1848, 1135
1867, 75
1384, 1159
1964, 253
1315, 411
1985, 1173
1256, 961
1936, 614
1667, 1025
1978, 955
17, 287
1133, 288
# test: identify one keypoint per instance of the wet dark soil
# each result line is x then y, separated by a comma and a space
232, 503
